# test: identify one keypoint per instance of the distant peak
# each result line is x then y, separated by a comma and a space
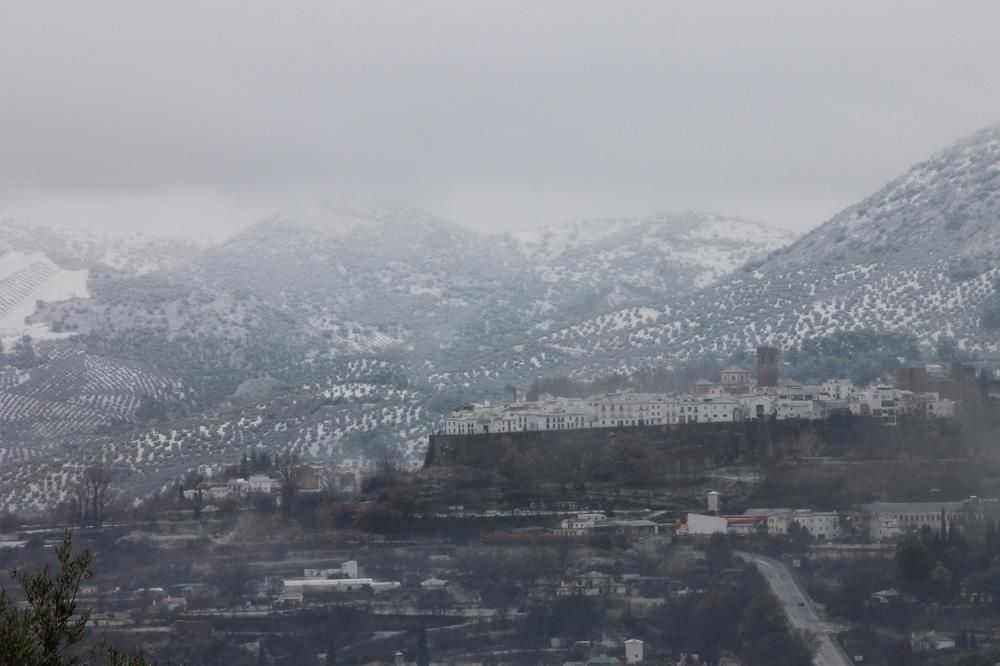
341, 215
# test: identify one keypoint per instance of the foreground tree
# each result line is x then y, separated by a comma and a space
49, 629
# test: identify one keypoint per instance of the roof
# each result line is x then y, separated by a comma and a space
767, 512
636, 522
735, 368
433, 581
742, 520
910, 507
703, 382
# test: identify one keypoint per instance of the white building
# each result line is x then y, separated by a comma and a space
629, 409
885, 520
261, 483
634, 649
798, 392
349, 569
735, 377
701, 524
721, 410
796, 409
712, 404
549, 414
582, 523
759, 407
882, 403
338, 585
837, 389
823, 525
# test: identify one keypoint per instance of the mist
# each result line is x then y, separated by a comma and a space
195, 121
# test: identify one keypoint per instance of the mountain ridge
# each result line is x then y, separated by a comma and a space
440, 314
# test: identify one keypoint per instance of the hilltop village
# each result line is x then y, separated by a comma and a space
925, 390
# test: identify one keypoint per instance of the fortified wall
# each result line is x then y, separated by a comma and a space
686, 448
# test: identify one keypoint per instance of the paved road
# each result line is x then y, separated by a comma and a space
799, 609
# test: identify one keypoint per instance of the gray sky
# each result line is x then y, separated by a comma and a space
199, 117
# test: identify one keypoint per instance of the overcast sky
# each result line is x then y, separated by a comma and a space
199, 117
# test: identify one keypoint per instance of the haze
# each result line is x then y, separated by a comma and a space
197, 118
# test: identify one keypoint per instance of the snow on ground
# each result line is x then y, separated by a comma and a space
26, 279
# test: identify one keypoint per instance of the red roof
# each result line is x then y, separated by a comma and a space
745, 519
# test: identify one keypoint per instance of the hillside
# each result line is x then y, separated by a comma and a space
26, 279
352, 412
918, 256
364, 275
621, 261
79, 249
335, 328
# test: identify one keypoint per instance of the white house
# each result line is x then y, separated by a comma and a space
634, 649
759, 407
820, 524
582, 523
882, 403
836, 389
795, 409
261, 483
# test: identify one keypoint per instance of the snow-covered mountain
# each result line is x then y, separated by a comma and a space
625, 261
946, 207
358, 323
919, 256
364, 275
78, 249
27, 279
375, 312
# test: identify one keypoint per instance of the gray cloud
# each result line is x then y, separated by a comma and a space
181, 116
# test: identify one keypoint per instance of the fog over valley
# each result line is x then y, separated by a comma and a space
500, 333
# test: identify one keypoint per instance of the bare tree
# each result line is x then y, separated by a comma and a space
98, 479
391, 463
287, 465
328, 479
90, 495
234, 581
436, 602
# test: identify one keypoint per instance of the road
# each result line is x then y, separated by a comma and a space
799, 609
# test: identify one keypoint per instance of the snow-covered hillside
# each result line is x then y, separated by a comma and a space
26, 279
79, 249
286, 306
629, 261
703, 240
920, 256
377, 312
